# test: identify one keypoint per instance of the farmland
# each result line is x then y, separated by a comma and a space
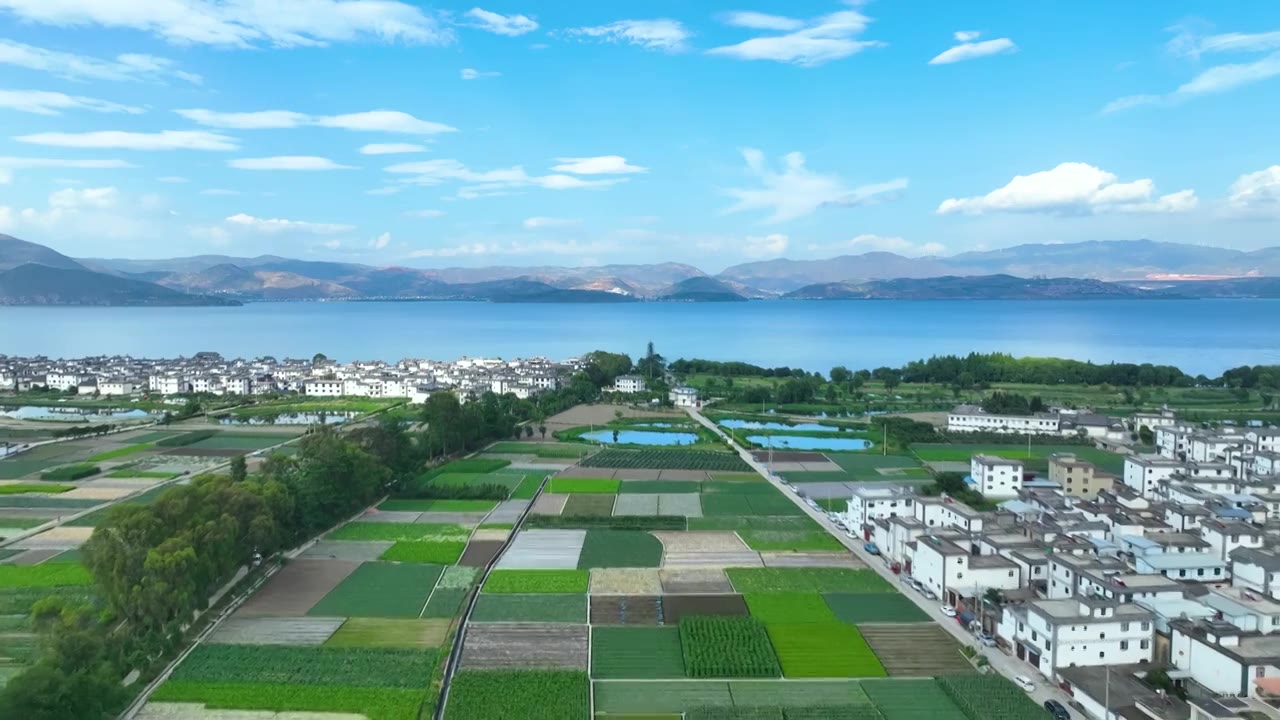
726, 647
519, 695
706, 460
989, 697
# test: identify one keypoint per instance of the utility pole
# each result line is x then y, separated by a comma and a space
884, 442
1106, 693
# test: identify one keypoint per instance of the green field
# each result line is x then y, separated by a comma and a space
527, 489
620, 549
379, 589
707, 460
539, 449
543, 607
519, 695
389, 633
21, 523
820, 580
128, 472
726, 646
914, 700
48, 488
369, 667
71, 472
1038, 459
537, 581
372, 702
444, 552
856, 608
119, 452
44, 576
234, 441
560, 485
790, 540
789, 607
399, 531
989, 697
817, 650
636, 652
444, 602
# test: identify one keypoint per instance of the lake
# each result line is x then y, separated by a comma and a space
641, 437
71, 414
802, 442
756, 425
1199, 336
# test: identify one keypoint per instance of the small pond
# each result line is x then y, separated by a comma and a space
642, 437
757, 425
653, 424
331, 418
72, 414
806, 442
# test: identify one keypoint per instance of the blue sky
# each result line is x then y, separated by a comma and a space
557, 132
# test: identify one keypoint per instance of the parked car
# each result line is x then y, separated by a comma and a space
1057, 710
986, 640
948, 611
929, 593
871, 548
1024, 682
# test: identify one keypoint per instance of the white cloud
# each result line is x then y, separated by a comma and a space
601, 165
388, 190
73, 199
132, 67
662, 34
869, 242
796, 191
489, 183
425, 213
380, 242
509, 25
373, 121
42, 102
474, 74
244, 23
24, 163
1256, 194
968, 49
819, 41
173, 179
547, 223
220, 192
518, 248
276, 226
118, 139
760, 21
765, 246
1229, 77
1188, 42
1072, 189
391, 148
287, 162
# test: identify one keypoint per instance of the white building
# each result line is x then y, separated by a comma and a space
995, 477
116, 387
956, 575
1054, 634
1143, 473
628, 384
685, 397
1256, 570
1226, 536
323, 388
970, 418
871, 502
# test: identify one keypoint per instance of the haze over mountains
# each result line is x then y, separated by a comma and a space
1118, 269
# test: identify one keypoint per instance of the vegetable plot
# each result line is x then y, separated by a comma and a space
726, 646
990, 697
707, 460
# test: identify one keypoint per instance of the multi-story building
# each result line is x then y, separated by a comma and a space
994, 476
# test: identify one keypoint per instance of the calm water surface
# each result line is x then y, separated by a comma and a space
1200, 336
803, 442
641, 437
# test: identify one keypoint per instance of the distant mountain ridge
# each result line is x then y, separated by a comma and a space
1137, 268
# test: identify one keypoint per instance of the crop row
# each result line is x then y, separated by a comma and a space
726, 646
354, 666
989, 697
707, 460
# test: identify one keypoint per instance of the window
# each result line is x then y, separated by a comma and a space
1124, 644
1146, 625
1260, 671
1275, 619
1124, 627
1102, 654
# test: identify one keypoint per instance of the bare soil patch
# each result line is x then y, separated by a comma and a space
626, 610
204, 452
296, 588
602, 414
548, 504
575, 471
452, 518
700, 541
688, 475
499, 535
625, 581
811, 559
633, 474
544, 550
480, 552
389, 516
915, 650
693, 560
694, 582
356, 551
677, 606
508, 646
33, 557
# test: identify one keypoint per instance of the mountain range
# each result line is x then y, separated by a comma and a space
35, 274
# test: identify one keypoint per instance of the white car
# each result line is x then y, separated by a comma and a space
1025, 683
948, 611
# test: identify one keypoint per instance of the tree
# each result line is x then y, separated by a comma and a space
840, 375
1146, 436
319, 358
615, 437
542, 429
239, 470
528, 431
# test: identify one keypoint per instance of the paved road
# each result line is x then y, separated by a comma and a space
1006, 665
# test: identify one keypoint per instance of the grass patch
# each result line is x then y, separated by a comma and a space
47, 501
119, 452
438, 505
790, 540
519, 695
815, 650
726, 646
70, 472
370, 667
43, 576
389, 632
855, 608
399, 531
425, 551
372, 702
765, 580
789, 607
22, 523
620, 549
527, 489
537, 581
548, 607
378, 589
636, 652
18, 600
20, 488
561, 485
